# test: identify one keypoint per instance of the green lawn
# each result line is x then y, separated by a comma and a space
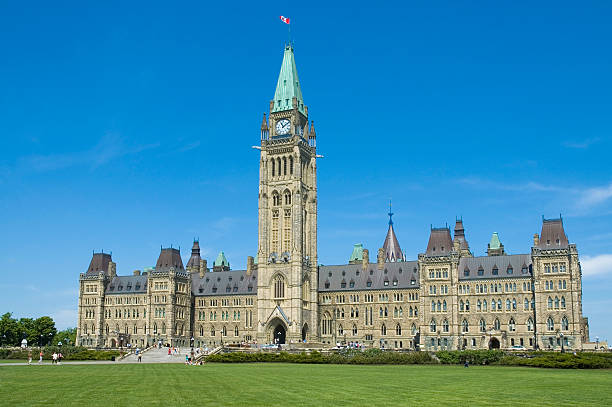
300, 385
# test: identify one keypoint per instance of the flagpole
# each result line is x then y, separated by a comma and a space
291, 45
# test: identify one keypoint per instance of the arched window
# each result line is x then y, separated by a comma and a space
563, 302
326, 327
354, 330
155, 328
507, 304
278, 166
410, 311
564, 323
290, 165
224, 331
383, 330
461, 305
511, 325
212, 331
550, 324
465, 326
433, 306
526, 304
484, 305
279, 286
550, 303
398, 329
556, 302
499, 305
201, 330
273, 167
482, 325
236, 331
530, 324
445, 325
107, 329
496, 324
444, 305
492, 305
394, 312
276, 198
467, 305
413, 329
287, 197
479, 306
401, 312
386, 312
432, 326
514, 304
439, 306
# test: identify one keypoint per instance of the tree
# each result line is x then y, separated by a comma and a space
10, 333
61, 336
44, 327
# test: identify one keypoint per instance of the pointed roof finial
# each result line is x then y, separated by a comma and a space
264, 123
390, 214
288, 85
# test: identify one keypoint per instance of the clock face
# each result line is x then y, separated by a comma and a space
282, 127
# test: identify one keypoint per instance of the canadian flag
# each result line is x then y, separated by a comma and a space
284, 19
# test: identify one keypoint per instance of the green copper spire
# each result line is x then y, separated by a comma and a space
357, 254
221, 261
288, 85
495, 243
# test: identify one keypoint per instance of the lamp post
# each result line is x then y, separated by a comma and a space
41, 339
597, 343
562, 348
192, 339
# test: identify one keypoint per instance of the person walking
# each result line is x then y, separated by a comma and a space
59, 358
40, 358
29, 357
54, 358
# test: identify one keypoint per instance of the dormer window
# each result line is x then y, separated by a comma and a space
371, 272
480, 271
509, 270
466, 272
557, 241
442, 248
343, 284
548, 242
250, 288
369, 283
495, 271
412, 282
386, 282
329, 274
326, 283
395, 282
352, 284
524, 270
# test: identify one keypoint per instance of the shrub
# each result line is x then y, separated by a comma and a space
473, 357
582, 360
354, 357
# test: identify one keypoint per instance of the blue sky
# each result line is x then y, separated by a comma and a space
124, 127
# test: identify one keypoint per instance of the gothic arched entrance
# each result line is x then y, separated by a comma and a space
304, 332
280, 334
113, 343
494, 343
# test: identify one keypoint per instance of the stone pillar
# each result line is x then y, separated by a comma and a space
203, 267
250, 264
365, 261
380, 259
536, 239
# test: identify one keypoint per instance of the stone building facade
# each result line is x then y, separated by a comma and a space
444, 299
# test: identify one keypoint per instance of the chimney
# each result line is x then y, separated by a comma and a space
136, 272
250, 264
536, 239
112, 269
380, 259
365, 261
203, 268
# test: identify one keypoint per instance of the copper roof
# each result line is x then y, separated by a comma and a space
99, 263
553, 235
440, 242
169, 257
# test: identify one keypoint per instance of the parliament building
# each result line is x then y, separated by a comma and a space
446, 298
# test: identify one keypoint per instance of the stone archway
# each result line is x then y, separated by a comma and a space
494, 343
113, 343
304, 332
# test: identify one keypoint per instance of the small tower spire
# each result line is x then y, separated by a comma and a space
264, 128
390, 214
391, 247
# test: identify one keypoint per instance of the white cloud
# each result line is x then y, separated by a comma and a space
583, 144
595, 196
596, 265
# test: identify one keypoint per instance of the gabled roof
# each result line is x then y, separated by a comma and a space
400, 274
440, 242
288, 85
475, 268
169, 257
217, 283
127, 285
553, 235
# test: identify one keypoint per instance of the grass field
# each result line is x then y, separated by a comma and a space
300, 385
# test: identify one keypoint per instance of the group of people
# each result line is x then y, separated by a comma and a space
56, 358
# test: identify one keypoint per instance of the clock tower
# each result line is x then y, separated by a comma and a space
287, 246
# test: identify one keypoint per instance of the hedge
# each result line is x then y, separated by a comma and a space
369, 357
68, 352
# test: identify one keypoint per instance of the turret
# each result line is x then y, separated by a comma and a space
391, 246
495, 247
265, 131
193, 265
